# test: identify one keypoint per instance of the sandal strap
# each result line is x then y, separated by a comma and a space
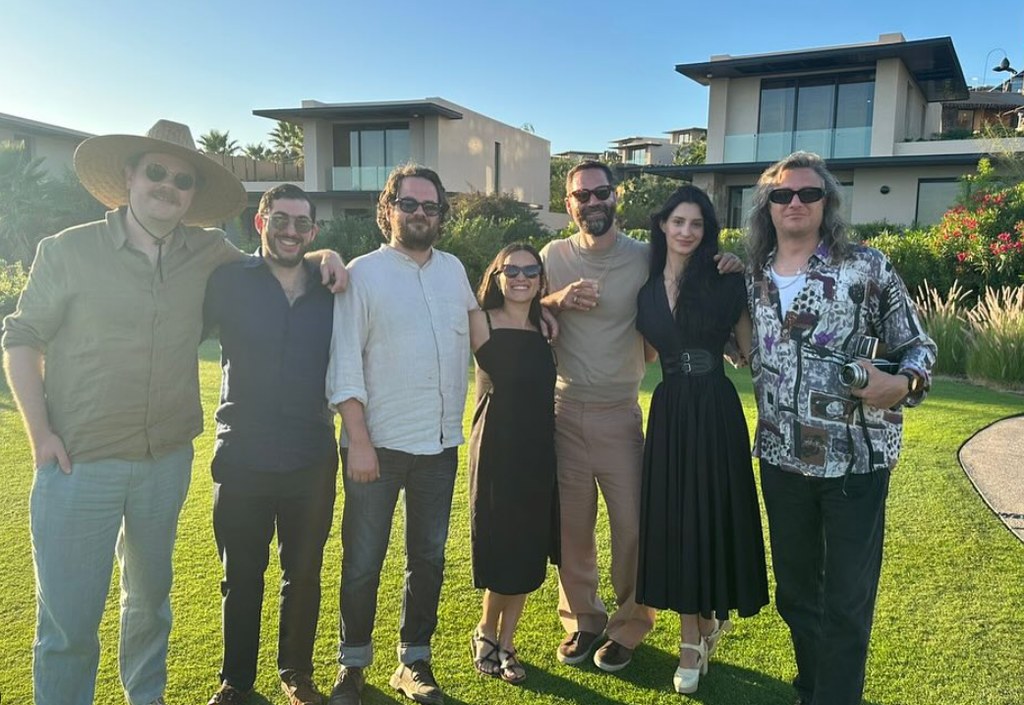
698, 647
491, 655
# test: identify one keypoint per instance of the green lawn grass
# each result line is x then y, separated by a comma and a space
948, 625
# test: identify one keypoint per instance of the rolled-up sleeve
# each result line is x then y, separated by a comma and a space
345, 378
42, 304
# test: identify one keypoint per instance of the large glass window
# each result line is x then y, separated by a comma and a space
740, 201
828, 115
934, 198
363, 157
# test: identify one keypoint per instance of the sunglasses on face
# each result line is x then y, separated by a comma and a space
784, 196
280, 221
601, 192
511, 271
409, 205
158, 173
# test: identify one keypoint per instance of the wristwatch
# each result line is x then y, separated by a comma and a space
916, 385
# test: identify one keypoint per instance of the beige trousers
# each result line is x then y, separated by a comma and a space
600, 445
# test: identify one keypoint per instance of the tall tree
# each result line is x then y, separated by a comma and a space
257, 151
286, 139
691, 154
217, 142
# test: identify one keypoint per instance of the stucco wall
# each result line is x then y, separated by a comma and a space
465, 158
899, 205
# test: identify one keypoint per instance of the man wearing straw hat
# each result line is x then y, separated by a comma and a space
114, 310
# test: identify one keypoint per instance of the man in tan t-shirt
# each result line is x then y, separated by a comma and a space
594, 277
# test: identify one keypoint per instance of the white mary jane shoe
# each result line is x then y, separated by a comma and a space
711, 640
685, 680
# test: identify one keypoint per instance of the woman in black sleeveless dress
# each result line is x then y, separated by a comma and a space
701, 547
513, 495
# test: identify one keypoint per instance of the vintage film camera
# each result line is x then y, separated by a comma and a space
856, 377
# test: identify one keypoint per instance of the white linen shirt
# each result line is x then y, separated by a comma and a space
400, 346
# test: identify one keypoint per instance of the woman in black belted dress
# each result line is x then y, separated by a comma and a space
701, 547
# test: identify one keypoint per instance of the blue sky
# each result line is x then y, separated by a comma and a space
581, 72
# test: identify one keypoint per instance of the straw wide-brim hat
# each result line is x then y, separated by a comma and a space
100, 163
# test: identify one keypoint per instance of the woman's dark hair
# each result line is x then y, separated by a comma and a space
489, 293
700, 266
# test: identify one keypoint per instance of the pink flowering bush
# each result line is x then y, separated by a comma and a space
982, 241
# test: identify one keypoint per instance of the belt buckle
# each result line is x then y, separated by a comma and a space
687, 368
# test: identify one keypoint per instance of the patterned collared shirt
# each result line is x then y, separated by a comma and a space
807, 420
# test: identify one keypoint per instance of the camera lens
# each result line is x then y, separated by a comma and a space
853, 375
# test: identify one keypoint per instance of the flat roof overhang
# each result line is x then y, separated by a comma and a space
370, 112
932, 62
686, 172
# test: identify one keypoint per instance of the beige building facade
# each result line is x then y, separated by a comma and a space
54, 145
873, 111
350, 148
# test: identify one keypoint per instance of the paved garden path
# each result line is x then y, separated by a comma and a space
993, 459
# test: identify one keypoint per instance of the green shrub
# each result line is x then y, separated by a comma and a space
915, 259
475, 241
869, 231
997, 337
519, 221
733, 240
13, 278
351, 236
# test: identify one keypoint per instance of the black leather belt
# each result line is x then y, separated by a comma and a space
691, 362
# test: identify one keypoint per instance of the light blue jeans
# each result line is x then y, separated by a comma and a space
79, 523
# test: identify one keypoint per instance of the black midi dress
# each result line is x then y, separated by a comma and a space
701, 547
513, 490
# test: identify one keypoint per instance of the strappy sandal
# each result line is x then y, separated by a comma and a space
510, 669
485, 655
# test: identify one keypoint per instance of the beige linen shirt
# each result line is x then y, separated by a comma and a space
121, 374
600, 352
401, 348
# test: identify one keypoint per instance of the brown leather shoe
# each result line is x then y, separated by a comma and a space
300, 689
229, 695
576, 647
612, 656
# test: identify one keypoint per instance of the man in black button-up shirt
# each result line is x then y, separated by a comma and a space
275, 458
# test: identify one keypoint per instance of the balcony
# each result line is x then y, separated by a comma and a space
772, 146
359, 178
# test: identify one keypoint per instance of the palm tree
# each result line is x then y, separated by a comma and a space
217, 142
257, 151
286, 139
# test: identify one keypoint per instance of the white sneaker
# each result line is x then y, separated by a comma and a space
685, 680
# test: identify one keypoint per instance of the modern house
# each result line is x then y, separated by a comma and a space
874, 111
350, 148
644, 151
55, 145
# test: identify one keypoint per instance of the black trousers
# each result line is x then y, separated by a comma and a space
826, 537
244, 520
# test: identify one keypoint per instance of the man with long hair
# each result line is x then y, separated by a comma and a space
830, 420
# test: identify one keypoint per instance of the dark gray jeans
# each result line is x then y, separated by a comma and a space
428, 481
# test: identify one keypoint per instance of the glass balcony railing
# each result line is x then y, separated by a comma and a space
359, 178
772, 146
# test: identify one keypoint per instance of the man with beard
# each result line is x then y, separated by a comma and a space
398, 376
275, 458
594, 277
